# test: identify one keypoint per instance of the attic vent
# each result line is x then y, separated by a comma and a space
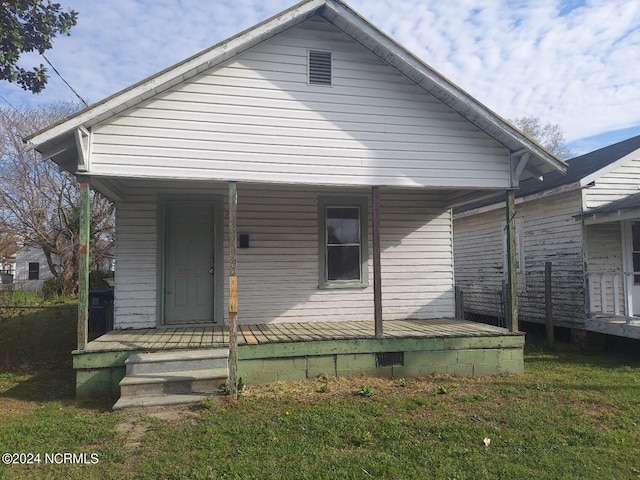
319, 67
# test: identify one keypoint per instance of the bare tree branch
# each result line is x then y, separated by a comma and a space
550, 136
39, 205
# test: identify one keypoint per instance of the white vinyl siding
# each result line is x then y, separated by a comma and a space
615, 185
135, 303
256, 118
549, 233
278, 273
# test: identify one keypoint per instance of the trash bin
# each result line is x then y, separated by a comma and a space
100, 312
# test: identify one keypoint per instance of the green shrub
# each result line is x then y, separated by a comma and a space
53, 287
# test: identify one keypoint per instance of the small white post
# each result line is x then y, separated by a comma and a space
603, 293
616, 298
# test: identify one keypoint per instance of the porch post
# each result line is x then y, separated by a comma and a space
377, 270
233, 293
83, 264
512, 293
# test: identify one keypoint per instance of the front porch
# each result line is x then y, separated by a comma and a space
611, 324
294, 351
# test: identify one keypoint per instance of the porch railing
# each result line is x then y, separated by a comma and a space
607, 292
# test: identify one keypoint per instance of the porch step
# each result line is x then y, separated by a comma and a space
160, 383
166, 378
176, 360
158, 400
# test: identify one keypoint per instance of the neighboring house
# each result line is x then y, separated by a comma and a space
32, 268
310, 112
8, 248
586, 223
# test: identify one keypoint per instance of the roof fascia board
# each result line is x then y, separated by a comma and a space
609, 168
372, 38
520, 200
182, 71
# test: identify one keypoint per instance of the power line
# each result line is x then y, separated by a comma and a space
67, 83
11, 105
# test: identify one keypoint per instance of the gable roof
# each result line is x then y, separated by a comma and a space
581, 171
58, 142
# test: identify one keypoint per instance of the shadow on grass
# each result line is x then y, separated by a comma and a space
35, 354
40, 384
604, 351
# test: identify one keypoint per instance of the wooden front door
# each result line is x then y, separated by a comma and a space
189, 263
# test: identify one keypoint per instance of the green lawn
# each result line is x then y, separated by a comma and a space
573, 414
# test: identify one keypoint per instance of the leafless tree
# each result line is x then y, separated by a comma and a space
39, 205
549, 135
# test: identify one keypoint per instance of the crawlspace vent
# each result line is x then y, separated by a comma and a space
389, 359
319, 67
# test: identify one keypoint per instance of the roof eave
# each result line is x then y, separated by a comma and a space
358, 28
447, 92
178, 73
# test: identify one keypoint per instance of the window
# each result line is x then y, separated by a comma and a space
635, 239
319, 67
34, 270
343, 242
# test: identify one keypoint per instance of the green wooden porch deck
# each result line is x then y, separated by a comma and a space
294, 351
207, 337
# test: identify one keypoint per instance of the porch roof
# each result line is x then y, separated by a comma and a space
63, 142
623, 209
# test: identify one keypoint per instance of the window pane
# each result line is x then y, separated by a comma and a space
635, 232
343, 263
343, 225
34, 270
636, 268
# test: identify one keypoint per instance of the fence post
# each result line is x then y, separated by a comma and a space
548, 306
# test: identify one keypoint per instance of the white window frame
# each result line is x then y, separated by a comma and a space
342, 202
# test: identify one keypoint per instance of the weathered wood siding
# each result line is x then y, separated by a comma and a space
256, 118
550, 233
617, 184
604, 257
278, 274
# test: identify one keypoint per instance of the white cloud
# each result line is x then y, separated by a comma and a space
571, 63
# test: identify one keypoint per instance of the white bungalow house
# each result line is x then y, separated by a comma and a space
31, 268
586, 223
317, 115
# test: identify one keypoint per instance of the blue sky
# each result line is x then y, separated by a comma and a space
572, 62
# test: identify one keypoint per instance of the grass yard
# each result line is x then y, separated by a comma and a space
573, 414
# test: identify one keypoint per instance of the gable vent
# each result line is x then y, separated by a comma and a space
319, 67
